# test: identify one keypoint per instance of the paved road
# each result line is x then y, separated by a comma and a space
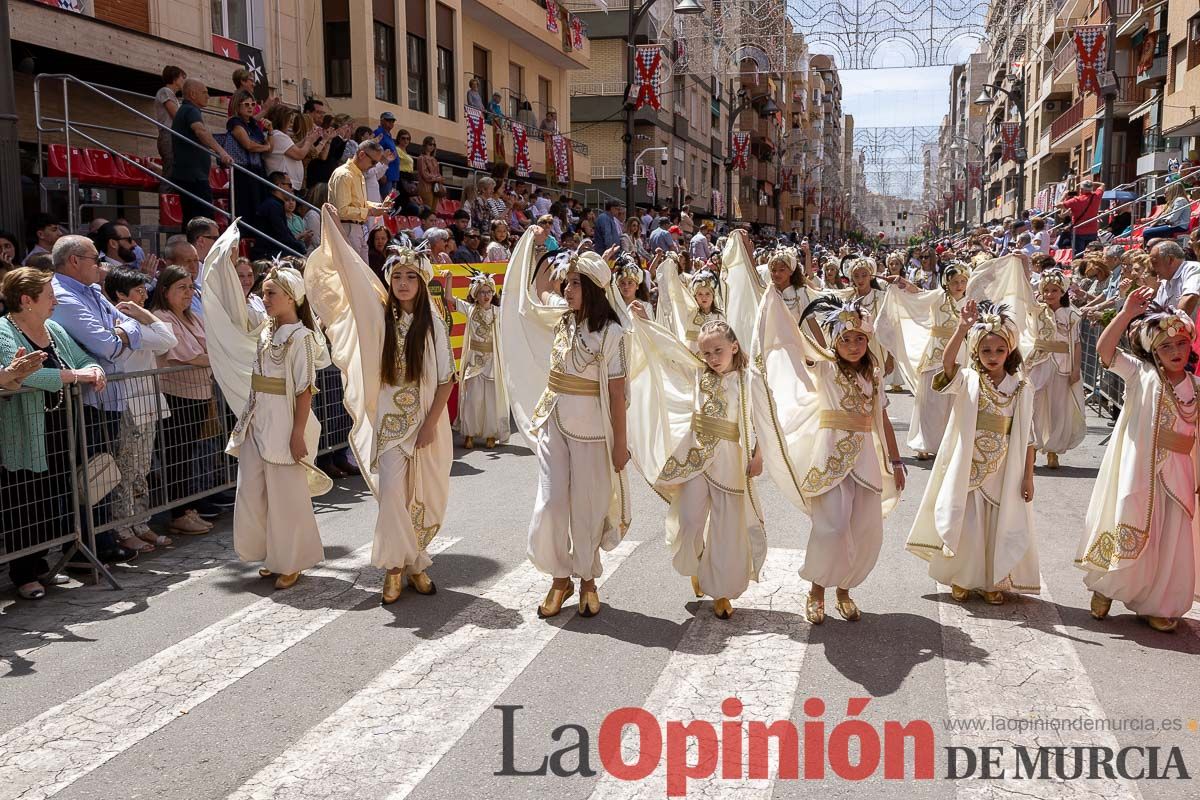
198, 681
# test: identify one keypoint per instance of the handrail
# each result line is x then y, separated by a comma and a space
68, 127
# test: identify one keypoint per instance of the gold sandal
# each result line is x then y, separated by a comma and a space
723, 608
995, 598
959, 593
814, 610
1100, 605
589, 603
696, 587
848, 610
393, 586
421, 583
554, 601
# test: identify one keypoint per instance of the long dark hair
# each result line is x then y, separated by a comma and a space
594, 308
414, 340
168, 277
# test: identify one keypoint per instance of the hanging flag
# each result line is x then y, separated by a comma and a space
741, 149
651, 182
648, 61
718, 203
1089, 47
974, 175
576, 32
552, 16
1010, 133
498, 144
520, 151
1146, 53
476, 139
560, 153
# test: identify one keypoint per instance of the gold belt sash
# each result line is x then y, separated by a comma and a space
715, 426
846, 421
1051, 347
994, 423
563, 383
1175, 442
944, 331
482, 347
264, 385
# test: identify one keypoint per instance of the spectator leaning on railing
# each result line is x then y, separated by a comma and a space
193, 153
35, 480
348, 194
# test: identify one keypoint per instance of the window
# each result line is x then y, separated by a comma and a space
385, 62
545, 95
338, 79
231, 19
417, 56
516, 87
445, 62
1193, 42
481, 61
1178, 66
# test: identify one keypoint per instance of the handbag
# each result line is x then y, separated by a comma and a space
101, 474
438, 189
210, 426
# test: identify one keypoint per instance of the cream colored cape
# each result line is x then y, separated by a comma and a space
527, 329
904, 326
1003, 280
743, 289
787, 408
1119, 518
499, 387
233, 342
1075, 391
676, 304
938, 525
351, 301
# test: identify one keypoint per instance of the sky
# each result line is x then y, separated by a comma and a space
880, 98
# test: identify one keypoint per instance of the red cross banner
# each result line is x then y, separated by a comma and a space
552, 16
741, 148
1010, 132
974, 175
576, 32
520, 151
476, 139
651, 182
648, 61
1089, 46
960, 191
560, 153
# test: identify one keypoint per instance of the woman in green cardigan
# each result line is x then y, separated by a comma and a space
35, 481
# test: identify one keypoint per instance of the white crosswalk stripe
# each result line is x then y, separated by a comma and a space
393, 732
763, 645
57, 748
1016, 662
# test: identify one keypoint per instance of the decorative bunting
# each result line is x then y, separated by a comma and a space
576, 32
560, 150
1010, 133
552, 16
651, 181
1089, 47
476, 139
741, 149
520, 151
648, 61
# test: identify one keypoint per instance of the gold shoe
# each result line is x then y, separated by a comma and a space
1051, 460
1163, 624
263, 572
848, 610
696, 587
468, 442
814, 610
393, 585
421, 583
589, 603
994, 598
287, 581
554, 601
491, 443
1100, 605
923, 456
723, 608
959, 593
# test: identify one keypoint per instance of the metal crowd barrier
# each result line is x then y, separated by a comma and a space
164, 429
1105, 391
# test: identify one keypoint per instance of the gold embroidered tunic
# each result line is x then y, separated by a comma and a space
401, 409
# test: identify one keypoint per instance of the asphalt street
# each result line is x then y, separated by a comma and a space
198, 680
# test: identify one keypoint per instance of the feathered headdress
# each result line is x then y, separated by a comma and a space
417, 258
288, 277
836, 316
1161, 323
1053, 277
994, 318
705, 278
950, 271
585, 262
626, 266
480, 280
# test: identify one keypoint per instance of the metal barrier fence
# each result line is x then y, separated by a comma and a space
164, 431
1105, 390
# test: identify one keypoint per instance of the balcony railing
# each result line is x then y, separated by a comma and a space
1121, 8
598, 88
1064, 57
1067, 121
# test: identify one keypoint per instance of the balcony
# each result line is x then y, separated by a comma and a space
1157, 70
1157, 152
1067, 121
523, 22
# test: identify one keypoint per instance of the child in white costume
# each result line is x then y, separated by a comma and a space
824, 432
865, 290
974, 525
276, 438
397, 370
630, 281
1140, 544
482, 397
915, 327
690, 428
1054, 370
577, 425
686, 302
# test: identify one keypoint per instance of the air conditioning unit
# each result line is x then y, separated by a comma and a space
1053, 105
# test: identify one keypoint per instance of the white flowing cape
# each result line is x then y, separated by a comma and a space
1003, 280
743, 289
676, 304
904, 326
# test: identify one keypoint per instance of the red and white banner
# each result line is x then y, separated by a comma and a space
1089, 47
740, 147
576, 32
552, 16
651, 181
960, 190
476, 139
974, 175
1010, 134
648, 62
520, 151
560, 152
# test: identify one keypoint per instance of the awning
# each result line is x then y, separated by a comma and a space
1144, 109
1189, 128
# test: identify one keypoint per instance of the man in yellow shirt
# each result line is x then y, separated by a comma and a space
348, 193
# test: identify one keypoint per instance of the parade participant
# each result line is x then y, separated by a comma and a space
1140, 541
397, 370
566, 309
741, 285
780, 270
690, 428
975, 526
824, 436
630, 280
915, 326
868, 293
1055, 370
483, 398
276, 436
687, 302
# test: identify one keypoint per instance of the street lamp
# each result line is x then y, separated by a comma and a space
768, 109
1017, 96
682, 7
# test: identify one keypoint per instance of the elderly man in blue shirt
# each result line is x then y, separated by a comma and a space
102, 330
